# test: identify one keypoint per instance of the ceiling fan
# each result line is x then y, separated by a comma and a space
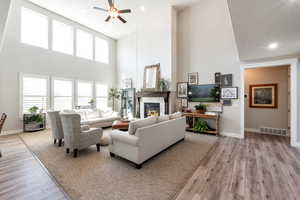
113, 12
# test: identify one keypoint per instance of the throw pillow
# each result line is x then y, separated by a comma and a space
176, 115
141, 123
163, 118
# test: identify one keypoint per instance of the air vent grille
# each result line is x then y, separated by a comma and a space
274, 131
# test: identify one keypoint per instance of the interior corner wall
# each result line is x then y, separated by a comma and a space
266, 117
206, 44
4, 11
17, 57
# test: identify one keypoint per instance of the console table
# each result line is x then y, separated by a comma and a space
194, 116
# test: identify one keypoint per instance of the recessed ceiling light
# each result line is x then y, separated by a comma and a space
273, 45
142, 8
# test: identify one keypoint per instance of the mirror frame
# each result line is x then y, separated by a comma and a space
157, 66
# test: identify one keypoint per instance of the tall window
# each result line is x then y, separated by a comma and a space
101, 96
62, 94
34, 28
101, 51
34, 92
84, 92
84, 48
62, 38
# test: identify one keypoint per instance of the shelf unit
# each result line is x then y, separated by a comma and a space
194, 116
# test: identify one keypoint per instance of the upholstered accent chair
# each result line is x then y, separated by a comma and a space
56, 126
76, 138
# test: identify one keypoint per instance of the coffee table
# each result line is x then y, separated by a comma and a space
121, 125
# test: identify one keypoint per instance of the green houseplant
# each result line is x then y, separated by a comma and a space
201, 108
33, 110
114, 94
163, 84
201, 126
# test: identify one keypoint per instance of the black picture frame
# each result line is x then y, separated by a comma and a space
218, 78
226, 80
184, 103
193, 76
229, 93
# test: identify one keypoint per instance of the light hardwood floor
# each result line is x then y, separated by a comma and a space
22, 176
257, 168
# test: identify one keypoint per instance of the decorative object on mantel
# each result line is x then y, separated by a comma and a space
218, 78
151, 78
226, 80
263, 96
229, 93
193, 78
127, 83
201, 108
182, 90
163, 85
184, 103
114, 94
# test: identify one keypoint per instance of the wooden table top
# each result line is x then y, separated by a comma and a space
119, 124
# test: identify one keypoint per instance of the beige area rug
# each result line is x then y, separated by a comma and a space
96, 176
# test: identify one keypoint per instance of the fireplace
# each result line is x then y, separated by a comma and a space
151, 109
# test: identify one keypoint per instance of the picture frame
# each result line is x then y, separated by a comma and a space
184, 103
263, 96
218, 78
182, 90
226, 80
193, 78
227, 102
229, 93
127, 83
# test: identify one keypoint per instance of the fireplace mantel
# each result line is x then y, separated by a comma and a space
163, 94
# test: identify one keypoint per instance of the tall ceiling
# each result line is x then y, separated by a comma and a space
257, 23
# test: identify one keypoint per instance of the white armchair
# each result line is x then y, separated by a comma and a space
56, 127
75, 137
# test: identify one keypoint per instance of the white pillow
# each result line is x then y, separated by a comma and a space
92, 114
163, 118
176, 115
141, 123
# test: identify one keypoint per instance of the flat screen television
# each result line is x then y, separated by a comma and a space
204, 93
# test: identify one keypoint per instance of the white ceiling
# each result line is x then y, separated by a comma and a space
82, 12
257, 23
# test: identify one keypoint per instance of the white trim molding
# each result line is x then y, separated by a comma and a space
293, 63
11, 132
253, 130
234, 135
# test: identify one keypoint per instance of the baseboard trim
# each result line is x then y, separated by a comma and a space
235, 135
254, 130
12, 132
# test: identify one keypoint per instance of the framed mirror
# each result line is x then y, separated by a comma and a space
151, 77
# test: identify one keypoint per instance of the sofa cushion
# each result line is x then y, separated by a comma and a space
163, 118
81, 112
141, 123
92, 114
176, 115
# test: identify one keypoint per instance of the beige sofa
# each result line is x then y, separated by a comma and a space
147, 137
96, 118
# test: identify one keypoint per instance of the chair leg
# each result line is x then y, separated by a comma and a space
75, 153
59, 142
54, 141
98, 147
68, 150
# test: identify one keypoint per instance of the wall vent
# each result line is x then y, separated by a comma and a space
274, 131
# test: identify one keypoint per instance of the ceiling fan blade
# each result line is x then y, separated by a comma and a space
108, 18
121, 19
110, 2
102, 9
124, 11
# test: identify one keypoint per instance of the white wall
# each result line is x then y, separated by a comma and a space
206, 44
17, 57
4, 9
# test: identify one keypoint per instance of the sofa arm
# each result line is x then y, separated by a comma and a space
85, 127
124, 137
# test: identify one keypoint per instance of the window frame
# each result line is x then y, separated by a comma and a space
92, 42
76, 89
95, 50
21, 89
49, 35
52, 90
72, 53
107, 96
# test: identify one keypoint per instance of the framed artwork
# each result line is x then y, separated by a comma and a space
263, 96
226, 80
184, 103
182, 90
227, 102
193, 78
218, 78
127, 83
229, 93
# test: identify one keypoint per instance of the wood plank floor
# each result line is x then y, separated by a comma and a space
257, 168
22, 176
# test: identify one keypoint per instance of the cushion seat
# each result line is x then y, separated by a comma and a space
99, 120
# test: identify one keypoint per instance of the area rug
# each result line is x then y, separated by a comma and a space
96, 176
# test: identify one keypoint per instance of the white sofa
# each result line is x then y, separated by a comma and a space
95, 118
149, 139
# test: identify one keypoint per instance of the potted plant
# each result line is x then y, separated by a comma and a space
92, 103
201, 126
163, 84
114, 94
201, 108
33, 110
